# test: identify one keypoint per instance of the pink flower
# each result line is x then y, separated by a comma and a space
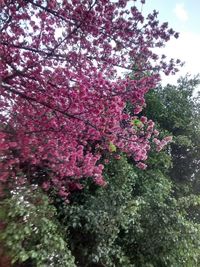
4, 176
63, 193
46, 186
141, 165
100, 181
156, 132
156, 141
12, 144
117, 157
137, 110
159, 148
106, 161
168, 139
143, 119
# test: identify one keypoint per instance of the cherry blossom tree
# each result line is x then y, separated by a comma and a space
65, 83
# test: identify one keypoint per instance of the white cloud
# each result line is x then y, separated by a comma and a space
181, 12
187, 49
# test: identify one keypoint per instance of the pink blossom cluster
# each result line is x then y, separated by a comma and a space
162, 143
62, 99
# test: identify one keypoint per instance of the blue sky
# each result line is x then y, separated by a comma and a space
183, 17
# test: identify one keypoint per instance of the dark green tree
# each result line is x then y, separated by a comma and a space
175, 109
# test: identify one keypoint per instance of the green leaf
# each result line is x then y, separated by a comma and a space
136, 123
112, 147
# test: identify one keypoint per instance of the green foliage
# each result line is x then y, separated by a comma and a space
163, 235
161, 161
136, 123
94, 217
112, 147
135, 221
176, 110
31, 233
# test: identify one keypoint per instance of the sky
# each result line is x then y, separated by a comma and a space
183, 17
